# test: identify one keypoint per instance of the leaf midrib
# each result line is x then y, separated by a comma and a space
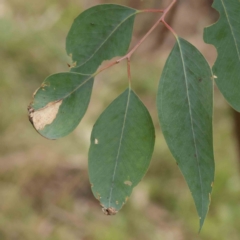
100, 46
232, 32
191, 118
74, 90
119, 148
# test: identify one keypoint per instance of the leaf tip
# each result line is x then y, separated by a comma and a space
109, 211
201, 222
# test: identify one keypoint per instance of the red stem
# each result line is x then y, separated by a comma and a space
129, 54
169, 28
153, 10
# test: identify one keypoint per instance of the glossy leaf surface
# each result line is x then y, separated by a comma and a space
225, 36
122, 143
185, 107
99, 33
60, 103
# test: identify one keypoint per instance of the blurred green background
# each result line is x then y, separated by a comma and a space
44, 189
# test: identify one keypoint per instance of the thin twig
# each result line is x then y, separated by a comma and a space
169, 28
153, 10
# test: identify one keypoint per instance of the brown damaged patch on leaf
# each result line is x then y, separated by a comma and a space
44, 116
109, 211
74, 64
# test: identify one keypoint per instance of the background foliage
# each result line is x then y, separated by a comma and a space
44, 187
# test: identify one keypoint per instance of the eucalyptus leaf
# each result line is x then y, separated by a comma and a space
99, 33
185, 108
122, 143
60, 103
225, 36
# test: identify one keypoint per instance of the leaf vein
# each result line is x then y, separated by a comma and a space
191, 118
119, 148
234, 38
114, 30
67, 95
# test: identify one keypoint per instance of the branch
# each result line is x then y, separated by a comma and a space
129, 54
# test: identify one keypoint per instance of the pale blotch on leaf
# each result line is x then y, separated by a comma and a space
129, 183
209, 196
44, 85
44, 116
98, 196
214, 77
96, 141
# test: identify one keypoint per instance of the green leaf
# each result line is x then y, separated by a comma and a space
185, 107
60, 103
99, 33
122, 143
225, 36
